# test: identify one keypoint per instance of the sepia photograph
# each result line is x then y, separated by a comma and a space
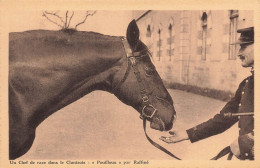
129, 88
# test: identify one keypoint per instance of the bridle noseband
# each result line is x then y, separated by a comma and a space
145, 114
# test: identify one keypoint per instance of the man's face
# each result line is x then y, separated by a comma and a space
246, 54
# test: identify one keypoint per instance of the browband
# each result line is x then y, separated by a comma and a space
128, 49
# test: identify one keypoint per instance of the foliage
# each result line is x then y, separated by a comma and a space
64, 22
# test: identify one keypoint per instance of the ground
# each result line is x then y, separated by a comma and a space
99, 126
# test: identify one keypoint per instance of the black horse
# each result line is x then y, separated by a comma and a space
48, 70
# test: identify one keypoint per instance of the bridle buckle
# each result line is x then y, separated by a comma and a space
145, 98
149, 116
132, 60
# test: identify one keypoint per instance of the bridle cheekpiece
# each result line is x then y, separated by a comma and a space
131, 57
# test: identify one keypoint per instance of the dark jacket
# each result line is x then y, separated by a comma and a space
243, 101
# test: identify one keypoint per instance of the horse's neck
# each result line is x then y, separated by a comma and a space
61, 70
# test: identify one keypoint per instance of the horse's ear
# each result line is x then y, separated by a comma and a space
132, 34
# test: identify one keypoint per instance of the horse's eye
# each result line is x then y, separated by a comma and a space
148, 71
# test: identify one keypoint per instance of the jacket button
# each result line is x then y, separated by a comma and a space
246, 81
239, 104
243, 92
238, 117
246, 154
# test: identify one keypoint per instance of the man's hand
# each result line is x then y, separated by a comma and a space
178, 136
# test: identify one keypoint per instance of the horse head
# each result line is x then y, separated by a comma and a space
140, 86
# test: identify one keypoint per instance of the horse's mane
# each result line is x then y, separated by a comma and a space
83, 35
63, 37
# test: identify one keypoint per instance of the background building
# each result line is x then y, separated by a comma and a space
193, 47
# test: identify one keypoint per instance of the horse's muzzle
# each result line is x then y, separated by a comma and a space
158, 124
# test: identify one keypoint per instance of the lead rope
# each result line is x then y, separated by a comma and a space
224, 152
156, 144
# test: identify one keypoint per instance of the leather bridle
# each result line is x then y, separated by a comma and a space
132, 63
145, 114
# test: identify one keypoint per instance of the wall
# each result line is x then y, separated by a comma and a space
185, 66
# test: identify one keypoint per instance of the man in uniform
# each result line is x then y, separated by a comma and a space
239, 109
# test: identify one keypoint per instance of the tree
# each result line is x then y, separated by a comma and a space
64, 23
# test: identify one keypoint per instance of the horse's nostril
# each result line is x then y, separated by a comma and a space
168, 127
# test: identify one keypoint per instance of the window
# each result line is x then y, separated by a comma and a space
148, 31
204, 36
159, 45
233, 34
149, 36
170, 41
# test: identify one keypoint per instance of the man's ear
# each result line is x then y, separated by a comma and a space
132, 34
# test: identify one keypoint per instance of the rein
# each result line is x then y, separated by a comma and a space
132, 63
156, 144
